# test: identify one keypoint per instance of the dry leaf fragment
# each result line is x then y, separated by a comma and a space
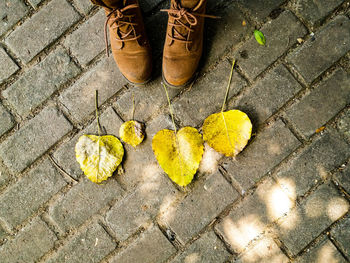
99, 156
132, 132
244, 23
227, 132
321, 129
179, 153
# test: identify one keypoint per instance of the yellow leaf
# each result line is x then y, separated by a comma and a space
132, 132
227, 132
179, 154
321, 129
99, 156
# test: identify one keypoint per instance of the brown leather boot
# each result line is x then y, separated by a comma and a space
184, 41
130, 46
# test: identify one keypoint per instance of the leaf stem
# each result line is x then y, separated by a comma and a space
97, 117
133, 106
228, 86
170, 107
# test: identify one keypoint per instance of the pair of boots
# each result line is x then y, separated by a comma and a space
131, 48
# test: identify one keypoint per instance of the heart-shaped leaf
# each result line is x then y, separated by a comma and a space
99, 156
179, 154
259, 37
132, 132
227, 132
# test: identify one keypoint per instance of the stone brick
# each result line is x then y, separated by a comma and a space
4, 176
313, 12
34, 139
91, 245
140, 164
341, 233
35, 3
207, 95
157, 23
343, 124
148, 5
152, 246
280, 34
315, 56
11, 11
7, 66
148, 100
83, 201
6, 120
321, 104
210, 196
343, 178
323, 252
264, 250
83, 5
29, 245
268, 95
267, 150
40, 82
313, 164
307, 221
65, 155
91, 34
80, 98
41, 29
208, 248
251, 217
229, 24
29, 193
131, 213
261, 9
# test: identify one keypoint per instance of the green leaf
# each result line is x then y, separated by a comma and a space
260, 38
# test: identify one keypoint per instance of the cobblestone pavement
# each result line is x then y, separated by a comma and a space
285, 198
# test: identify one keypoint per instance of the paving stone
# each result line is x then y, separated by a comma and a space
314, 11
91, 34
341, 233
263, 251
41, 29
267, 150
11, 11
323, 252
280, 34
40, 82
207, 95
2, 234
148, 5
307, 221
152, 246
261, 9
315, 56
4, 176
79, 99
148, 100
91, 245
7, 66
83, 5
65, 155
210, 196
6, 120
343, 178
321, 104
29, 245
83, 201
34, 139
208, 248
268, 95
217, 30
35, 3
141, 205
29, 193
313, 164
140, 164
343, 124
251, 217
157, 23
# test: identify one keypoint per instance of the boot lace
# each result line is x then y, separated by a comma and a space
183, 19
118, 17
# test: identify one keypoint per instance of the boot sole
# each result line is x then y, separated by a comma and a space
137, 84
180, 86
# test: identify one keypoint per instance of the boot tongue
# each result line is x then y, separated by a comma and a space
189, 3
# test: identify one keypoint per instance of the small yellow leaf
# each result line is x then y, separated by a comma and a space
179, 154
227, 132
321, 129
132, 132
99, 156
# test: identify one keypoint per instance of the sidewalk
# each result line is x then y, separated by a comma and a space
285, 198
